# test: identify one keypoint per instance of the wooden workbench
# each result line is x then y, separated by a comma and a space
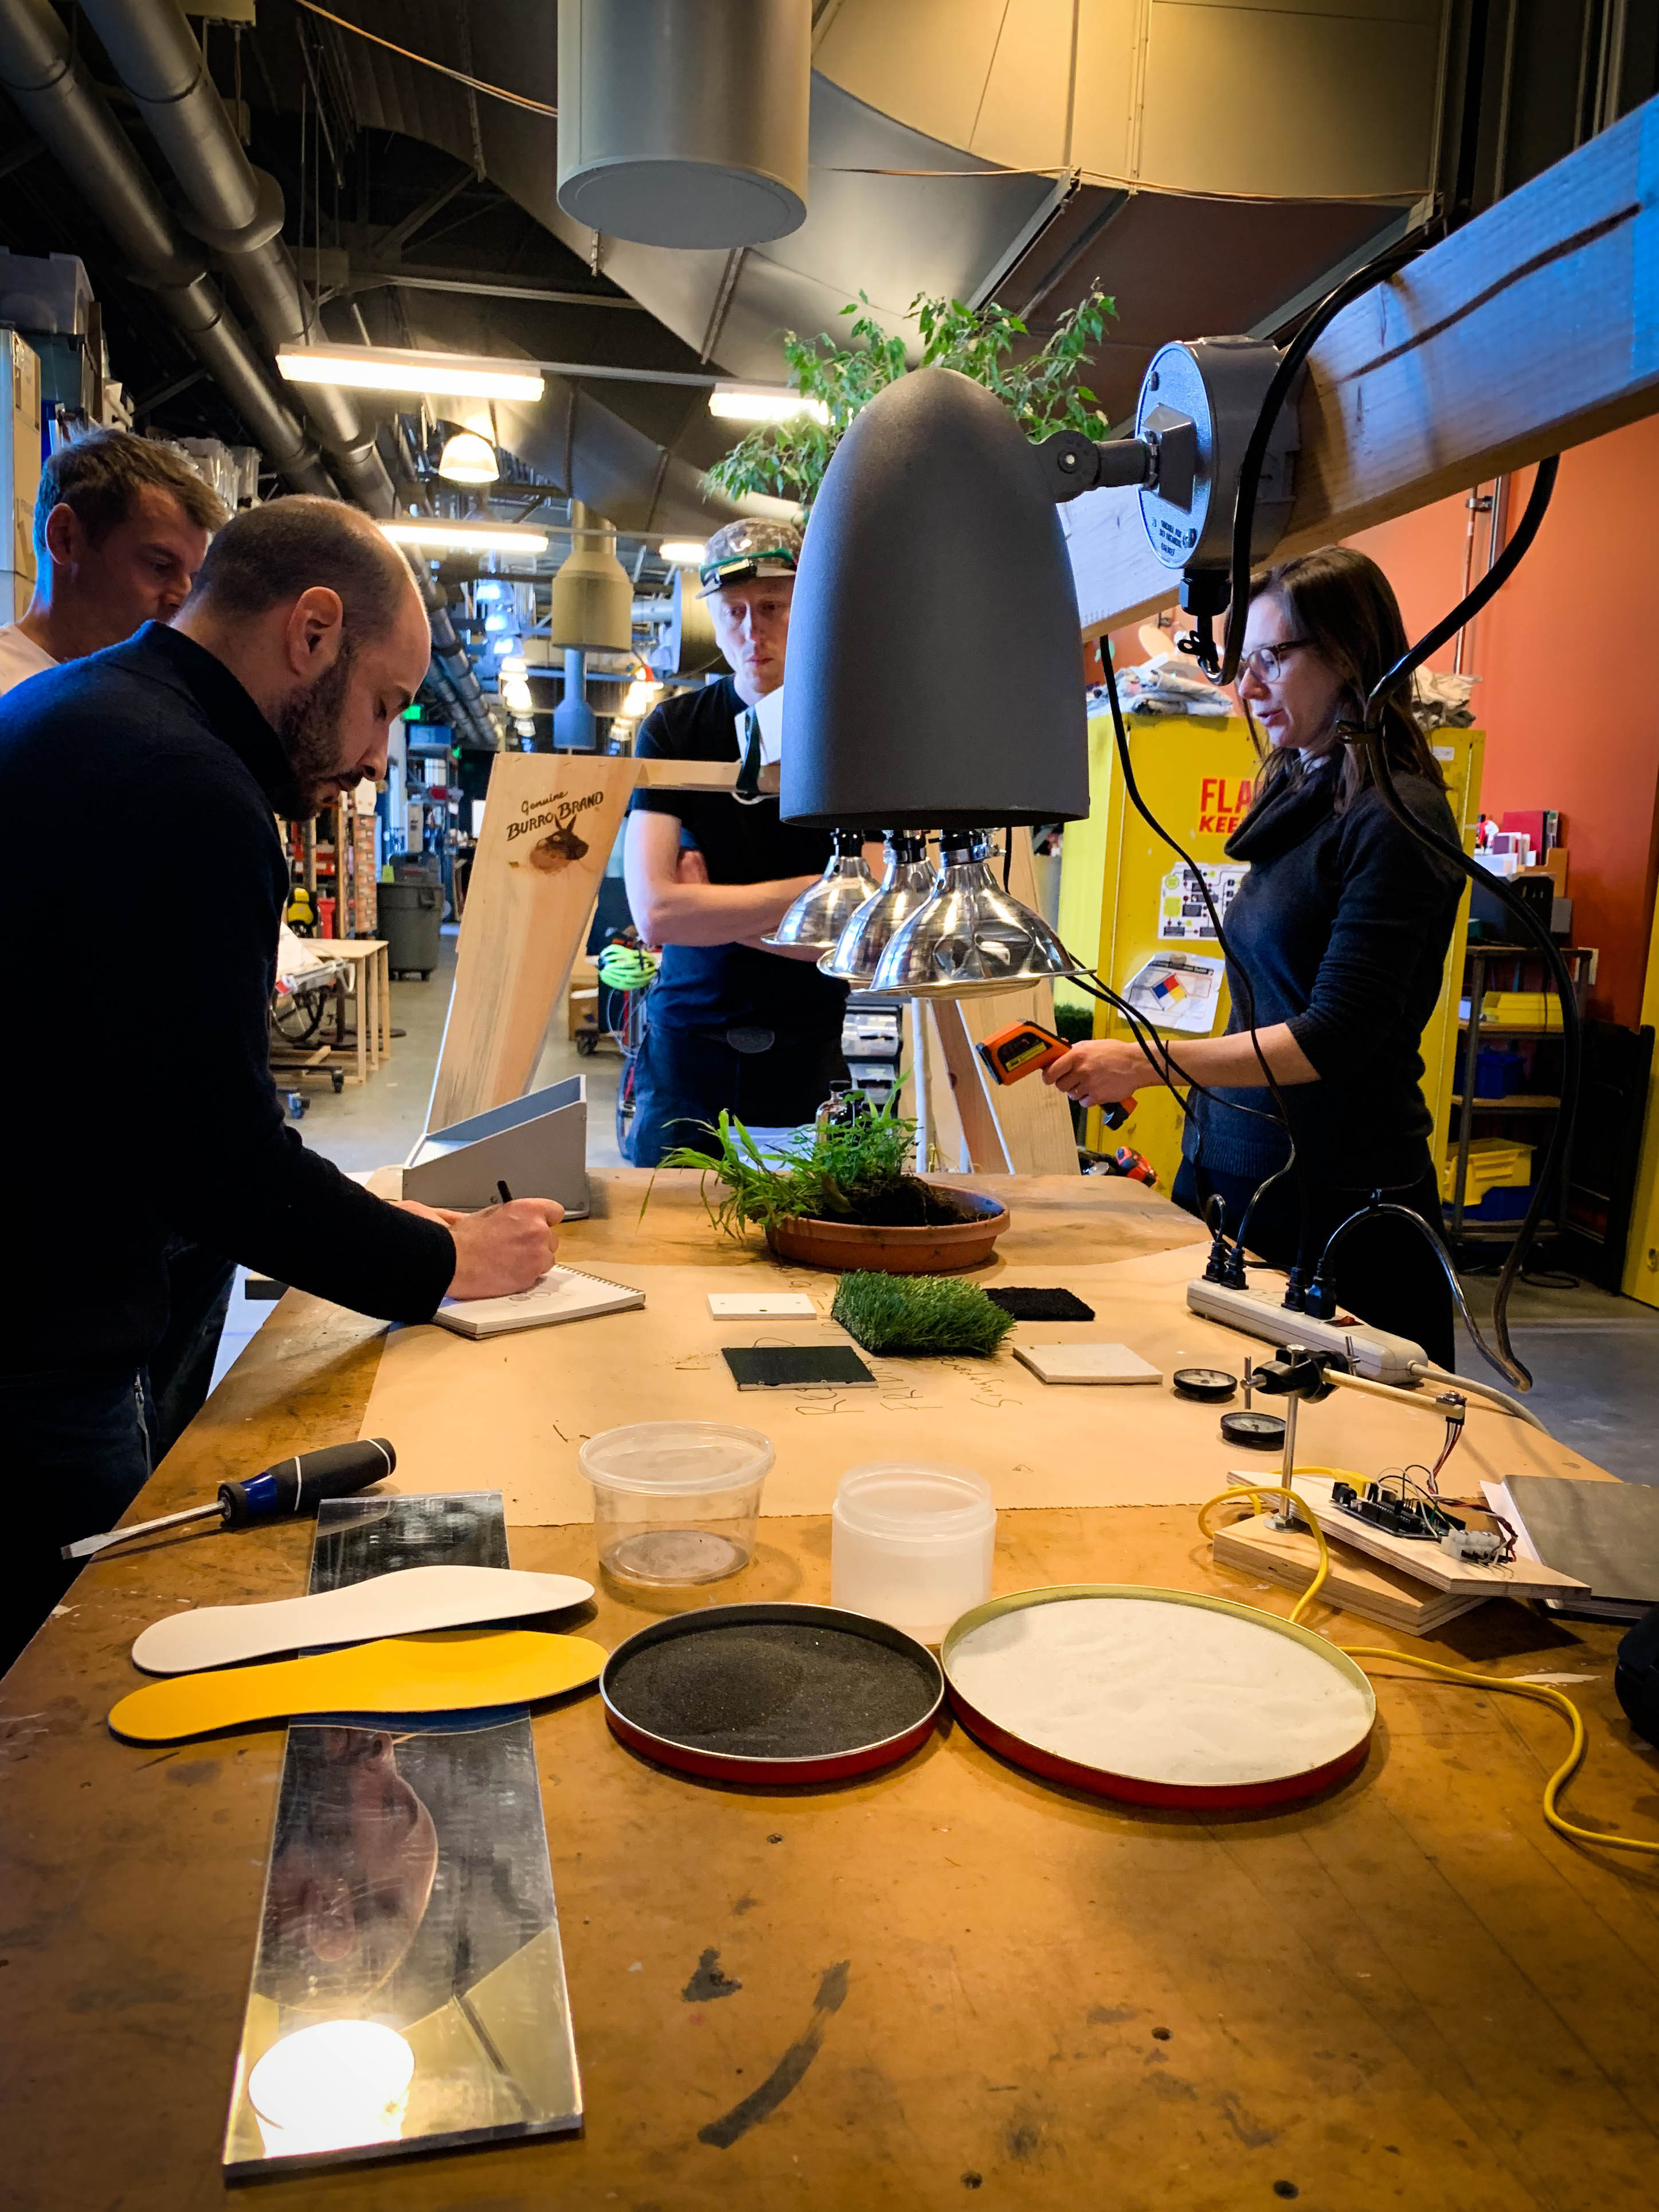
1408, 1993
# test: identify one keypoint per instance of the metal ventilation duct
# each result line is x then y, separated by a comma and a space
57, 99
682, 123
236, 208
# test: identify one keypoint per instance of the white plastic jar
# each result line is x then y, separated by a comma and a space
912, 1545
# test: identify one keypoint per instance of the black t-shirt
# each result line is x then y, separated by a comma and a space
718, 987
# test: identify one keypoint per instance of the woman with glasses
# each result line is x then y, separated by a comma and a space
1340, 927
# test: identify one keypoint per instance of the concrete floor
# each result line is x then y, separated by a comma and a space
378, 1123
1595, 1358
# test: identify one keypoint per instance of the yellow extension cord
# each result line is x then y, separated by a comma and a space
1538, 1690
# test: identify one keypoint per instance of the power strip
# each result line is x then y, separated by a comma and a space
1375, 1355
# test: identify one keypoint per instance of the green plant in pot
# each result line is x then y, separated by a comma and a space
848, 1197
1040, 384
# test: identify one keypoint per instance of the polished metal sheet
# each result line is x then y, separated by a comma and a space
408, 1990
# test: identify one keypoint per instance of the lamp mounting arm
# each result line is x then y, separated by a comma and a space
1073, 463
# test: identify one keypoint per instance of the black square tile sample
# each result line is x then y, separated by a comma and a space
1042, 1305
797, 1367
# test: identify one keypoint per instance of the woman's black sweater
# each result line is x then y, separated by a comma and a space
1341, 928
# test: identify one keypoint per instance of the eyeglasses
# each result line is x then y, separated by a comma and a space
1266, 663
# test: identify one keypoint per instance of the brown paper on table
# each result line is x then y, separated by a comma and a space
510, 1412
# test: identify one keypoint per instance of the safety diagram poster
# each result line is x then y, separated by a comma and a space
1179, 991
1182, 913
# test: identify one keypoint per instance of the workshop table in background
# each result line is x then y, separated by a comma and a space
891, 1992
371, 994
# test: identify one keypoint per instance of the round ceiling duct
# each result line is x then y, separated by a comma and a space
685, 643
683, 122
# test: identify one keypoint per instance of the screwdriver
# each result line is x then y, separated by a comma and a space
293, 1485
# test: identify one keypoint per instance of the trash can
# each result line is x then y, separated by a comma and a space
409, 919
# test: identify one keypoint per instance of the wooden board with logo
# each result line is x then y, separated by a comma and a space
549, 822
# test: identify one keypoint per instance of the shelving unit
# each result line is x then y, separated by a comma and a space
1480, 961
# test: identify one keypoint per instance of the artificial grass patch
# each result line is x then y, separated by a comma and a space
921, 1314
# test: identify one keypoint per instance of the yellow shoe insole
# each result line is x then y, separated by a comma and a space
446, 1672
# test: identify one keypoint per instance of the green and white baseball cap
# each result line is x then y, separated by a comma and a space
747, 548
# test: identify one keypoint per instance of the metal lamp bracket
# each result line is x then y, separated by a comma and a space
1199, 403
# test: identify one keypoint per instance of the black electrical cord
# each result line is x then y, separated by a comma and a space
1502, 1362
1246, 993
1157, 1048
1369, 734
1352, 287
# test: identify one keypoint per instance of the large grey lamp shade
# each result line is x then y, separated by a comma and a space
683, 122
935, 671
592, 602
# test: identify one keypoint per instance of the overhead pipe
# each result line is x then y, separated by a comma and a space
53, 92
451, 672
234, 208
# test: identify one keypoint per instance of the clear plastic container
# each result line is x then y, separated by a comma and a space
676, 1501
912, 1545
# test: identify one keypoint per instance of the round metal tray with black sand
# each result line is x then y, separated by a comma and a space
772, 1693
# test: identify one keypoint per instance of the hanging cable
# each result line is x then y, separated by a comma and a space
1351, 287
1369, 734
1246, 992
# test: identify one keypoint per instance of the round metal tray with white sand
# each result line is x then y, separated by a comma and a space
1158, 1696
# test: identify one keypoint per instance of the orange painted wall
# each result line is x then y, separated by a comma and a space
1567, 696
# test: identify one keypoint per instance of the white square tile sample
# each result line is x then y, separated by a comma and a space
1086, 1363
760, 1305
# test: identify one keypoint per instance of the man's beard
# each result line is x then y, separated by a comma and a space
309, 730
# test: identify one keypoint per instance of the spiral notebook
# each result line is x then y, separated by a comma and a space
562, 1294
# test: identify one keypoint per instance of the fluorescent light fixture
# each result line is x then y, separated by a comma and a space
755, 403
401, 368
515, 694
514, 664
494, 624
468, 458
465, 536
489, 590
683, 552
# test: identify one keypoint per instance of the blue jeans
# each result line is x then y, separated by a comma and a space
769, 1080
78, 1450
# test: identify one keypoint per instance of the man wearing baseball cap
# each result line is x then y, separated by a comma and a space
732, 1023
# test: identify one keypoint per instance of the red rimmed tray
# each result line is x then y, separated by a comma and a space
773, 1694
1057, 1731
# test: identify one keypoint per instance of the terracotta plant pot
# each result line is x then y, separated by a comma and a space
942, 1250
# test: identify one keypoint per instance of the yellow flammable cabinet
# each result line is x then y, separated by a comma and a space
1125, 900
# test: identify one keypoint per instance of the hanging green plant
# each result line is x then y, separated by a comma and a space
1042, 390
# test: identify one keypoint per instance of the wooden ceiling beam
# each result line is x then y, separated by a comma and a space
1534, 328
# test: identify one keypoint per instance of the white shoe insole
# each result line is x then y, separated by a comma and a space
400, 1604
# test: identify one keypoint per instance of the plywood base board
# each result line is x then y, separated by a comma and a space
1362, 1587
1422, 1561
